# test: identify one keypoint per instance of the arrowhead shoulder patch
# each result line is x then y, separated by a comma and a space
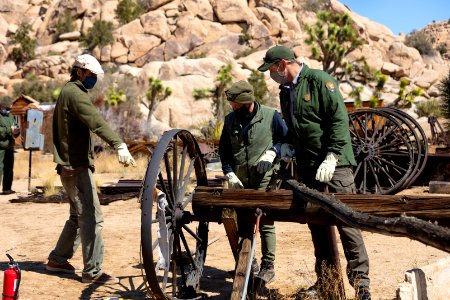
330, 86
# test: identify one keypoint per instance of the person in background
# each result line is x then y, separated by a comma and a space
9, 130
74, 119
315, 114
249, 145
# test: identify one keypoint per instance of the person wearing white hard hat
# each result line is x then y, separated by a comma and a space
74, 118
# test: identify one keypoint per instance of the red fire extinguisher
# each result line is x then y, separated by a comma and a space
11, 280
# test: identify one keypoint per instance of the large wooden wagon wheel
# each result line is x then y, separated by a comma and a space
418, 139
383, 151
173, 252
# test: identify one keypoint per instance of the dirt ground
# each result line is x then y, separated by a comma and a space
29, 231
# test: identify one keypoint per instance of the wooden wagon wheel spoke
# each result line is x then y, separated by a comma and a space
418, 138
173, 265
165, 190
383, 151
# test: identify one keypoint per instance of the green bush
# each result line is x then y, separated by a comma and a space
314, 5
202, 93
442, 48
420, 41
127, 11
25, 51
244, 38
428, 108
260, 89
444, 88
100, 34
64, 23
44, 92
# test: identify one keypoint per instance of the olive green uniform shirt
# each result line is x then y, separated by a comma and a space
75, 117
317, 119
6, 135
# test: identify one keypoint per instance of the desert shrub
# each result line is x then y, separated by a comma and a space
64, 23
44, 92
26, 45
441, 48
431, 107
100, 34
245, 53
196, 54
444, 88
118, 101
314, 5
127, 10
202, 93
244, 38
420, 41
260, 89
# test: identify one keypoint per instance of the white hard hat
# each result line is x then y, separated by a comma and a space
86, 61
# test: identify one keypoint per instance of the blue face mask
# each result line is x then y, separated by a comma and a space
89, 82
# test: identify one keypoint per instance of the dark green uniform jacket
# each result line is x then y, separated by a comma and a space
6, 136
317, 119
75, 117
249, 143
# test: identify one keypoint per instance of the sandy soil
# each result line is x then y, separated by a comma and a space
29, 231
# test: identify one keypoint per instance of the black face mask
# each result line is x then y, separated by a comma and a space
242, 112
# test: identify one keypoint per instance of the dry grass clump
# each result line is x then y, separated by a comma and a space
43, 167
108, 163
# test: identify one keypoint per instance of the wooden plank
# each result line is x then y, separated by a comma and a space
241, 269
229, 220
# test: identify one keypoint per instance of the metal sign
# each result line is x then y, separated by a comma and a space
34, 140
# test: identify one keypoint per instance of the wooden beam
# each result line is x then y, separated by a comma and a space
229, 220
426, 207
366, 212
241, 269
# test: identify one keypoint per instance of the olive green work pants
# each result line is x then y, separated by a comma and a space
84, 225
351, 238
6, 168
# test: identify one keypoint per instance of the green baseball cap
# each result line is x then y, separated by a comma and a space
274, 55
240, 92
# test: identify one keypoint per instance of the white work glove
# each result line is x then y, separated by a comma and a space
233, 181
287, 152
125, 156
265, 161
326, 168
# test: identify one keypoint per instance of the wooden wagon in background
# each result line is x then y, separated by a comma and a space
174, 222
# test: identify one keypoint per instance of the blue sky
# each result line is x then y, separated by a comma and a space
401, 15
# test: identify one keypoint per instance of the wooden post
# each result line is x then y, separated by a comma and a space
229, 220
243, 261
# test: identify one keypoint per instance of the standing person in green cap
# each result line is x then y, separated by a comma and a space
250, 143
74, 119
315, 114
8, 132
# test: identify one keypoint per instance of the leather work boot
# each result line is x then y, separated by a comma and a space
101, 279
266, 273
363, 294
61, 268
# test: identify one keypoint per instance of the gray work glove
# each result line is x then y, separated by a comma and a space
326, 169
286, 152
233, 181
265, 162
125, 156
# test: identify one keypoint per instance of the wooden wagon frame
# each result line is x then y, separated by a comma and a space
174, 221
